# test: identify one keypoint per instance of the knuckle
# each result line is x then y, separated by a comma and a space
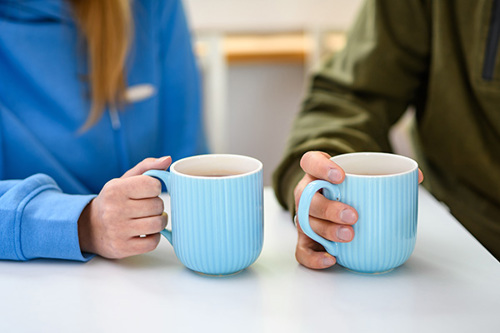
303, 258
164, 220
322, 210
319, 229
112, 183
156, 185
329, 211
148, 182
324, 154
158, 205
112, 187
151, 243
328, 231
331, 233
148, 160
324, 229
157, 224
309, 157
299, 254
154, 244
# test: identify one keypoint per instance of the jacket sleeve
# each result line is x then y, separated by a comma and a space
361, 91
37, 220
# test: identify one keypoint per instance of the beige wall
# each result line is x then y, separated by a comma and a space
270, 15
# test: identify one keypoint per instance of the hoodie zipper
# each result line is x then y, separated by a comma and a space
492, 42
120, 145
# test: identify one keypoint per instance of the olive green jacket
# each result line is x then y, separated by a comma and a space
442, 58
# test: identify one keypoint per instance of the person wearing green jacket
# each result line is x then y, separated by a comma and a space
442, 59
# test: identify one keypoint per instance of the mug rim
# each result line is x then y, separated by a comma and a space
208, 156
391, 155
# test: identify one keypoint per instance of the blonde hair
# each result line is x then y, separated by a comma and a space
106, 26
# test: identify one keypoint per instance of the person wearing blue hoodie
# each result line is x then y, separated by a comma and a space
76, 135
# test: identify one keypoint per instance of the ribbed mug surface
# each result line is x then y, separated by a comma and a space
217, 223
386, 230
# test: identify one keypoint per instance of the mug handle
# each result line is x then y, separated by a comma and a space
330, 191
163, 176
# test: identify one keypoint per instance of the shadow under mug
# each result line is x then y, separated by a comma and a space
216, 214
383, 188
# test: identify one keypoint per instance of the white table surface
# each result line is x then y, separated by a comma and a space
450, 284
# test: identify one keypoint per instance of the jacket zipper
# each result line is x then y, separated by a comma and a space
120, 145
492, 42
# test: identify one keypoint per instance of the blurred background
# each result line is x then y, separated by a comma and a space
255, 57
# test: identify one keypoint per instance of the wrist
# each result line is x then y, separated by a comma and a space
85, 229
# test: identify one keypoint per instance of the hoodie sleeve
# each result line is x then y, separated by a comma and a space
37, 220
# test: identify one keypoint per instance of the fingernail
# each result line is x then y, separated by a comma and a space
344, 233
328, 261
348, 216
335, 175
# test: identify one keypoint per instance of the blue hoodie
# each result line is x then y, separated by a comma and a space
49, 170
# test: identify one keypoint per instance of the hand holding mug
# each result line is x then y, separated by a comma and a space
216, 205
126, 208
383, 189
332, 220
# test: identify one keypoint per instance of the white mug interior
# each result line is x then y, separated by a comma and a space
216, 165
375, 164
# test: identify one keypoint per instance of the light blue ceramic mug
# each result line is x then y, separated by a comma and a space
216, 215
383, 188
